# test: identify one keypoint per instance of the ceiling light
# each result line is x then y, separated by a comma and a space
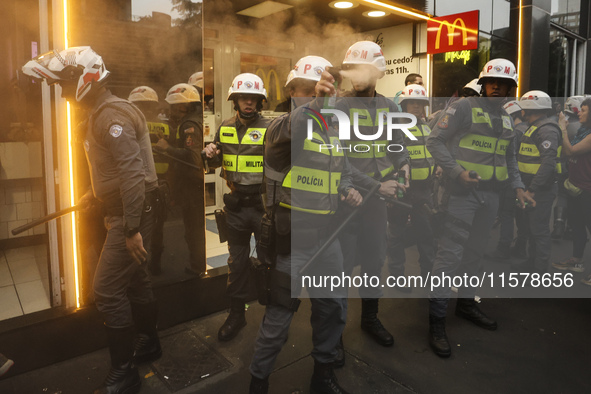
264, 9
343, 4
375, 14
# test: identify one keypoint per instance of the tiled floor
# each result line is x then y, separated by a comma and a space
24, 281
24, 274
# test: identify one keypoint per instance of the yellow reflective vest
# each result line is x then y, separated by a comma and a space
422, 163
528, 157
483, 149
156, 131
242, 160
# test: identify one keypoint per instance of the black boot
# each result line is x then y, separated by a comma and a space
466, 308
339, 361
259, 386
559, 224
519, 249
438, 337
324, 380
123, 378
234, 322
372, 325
147, 344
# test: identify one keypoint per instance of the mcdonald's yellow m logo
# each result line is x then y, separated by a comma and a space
465, 23
266, 77
451, 28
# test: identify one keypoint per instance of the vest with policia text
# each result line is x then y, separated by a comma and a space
242, 160
156, 131
528, 157
483, 149
367, 156
422, 163
311, 185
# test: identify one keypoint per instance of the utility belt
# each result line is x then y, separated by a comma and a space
115, 207
235, 200
457, 189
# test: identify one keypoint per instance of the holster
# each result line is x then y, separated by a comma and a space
222, 223
232, 202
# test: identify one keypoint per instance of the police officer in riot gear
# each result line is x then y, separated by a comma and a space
302, 212
238, 148
538, 159
187, 182
413, 100
124, 180
366, 241
474, 144
146, 99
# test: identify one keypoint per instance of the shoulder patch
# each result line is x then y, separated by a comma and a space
451, 111
443, 122
506, 122
546, 144
115, 130
86, 145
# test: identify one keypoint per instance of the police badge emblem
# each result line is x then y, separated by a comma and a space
255, 135
115, 130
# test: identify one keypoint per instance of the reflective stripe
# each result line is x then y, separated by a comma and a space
316, 144
501, 173
364, 117
478, 143
485, 172
529, 150
316, 211
228, 135
368, 149
479, 116
502, 147
229, 162
383, 173
159, 129
559, 162
528, 168
420, 174
418, 152
312, 180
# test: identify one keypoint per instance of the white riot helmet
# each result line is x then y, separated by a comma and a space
308, 67
182, 93
366, 52
80, 64
143, 93
196, 80
535, 99
247, 83
512, 107
573, 104
473, 84
414, 92
499, 68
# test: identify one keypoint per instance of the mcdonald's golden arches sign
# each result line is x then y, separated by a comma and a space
457, 32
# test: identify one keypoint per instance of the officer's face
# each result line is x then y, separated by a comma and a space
584, 114
178, 111
496, 87
363, 76
302, 91
418, 81
415, 107
247, 103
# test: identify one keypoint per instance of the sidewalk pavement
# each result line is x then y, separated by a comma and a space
541, 346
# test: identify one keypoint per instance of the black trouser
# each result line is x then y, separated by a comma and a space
242, 223
420, 230
579, 209
158, 231
119, 280
191, 202
539, 227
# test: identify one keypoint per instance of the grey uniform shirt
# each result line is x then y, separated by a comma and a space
547, 139
119, 155
444, 140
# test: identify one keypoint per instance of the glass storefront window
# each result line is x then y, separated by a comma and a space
566, 13
25, 274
